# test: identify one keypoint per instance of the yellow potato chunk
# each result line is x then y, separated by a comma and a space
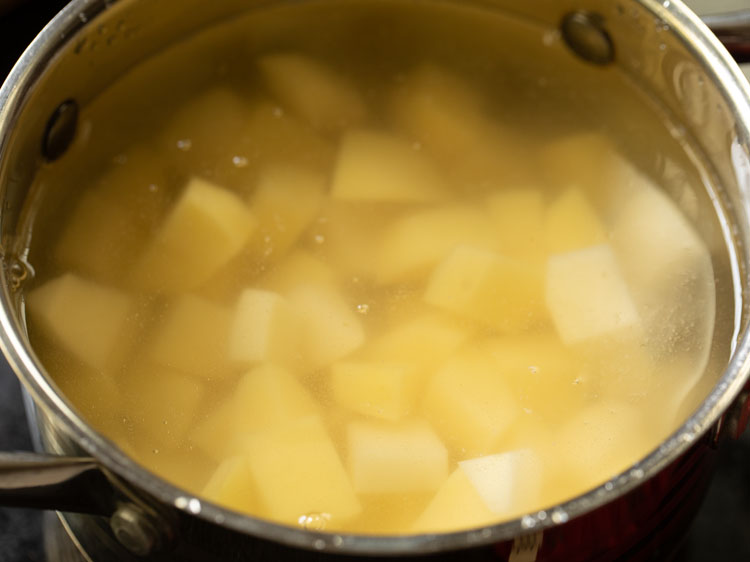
231, 486
331, 329
206, 228
571, 223
89, 320
160, 401
395, 458
114, 220
297, 471
313, 91
518, 220
286, 200
267, 396
425, 341
264, 328
482, 285
411, 246
297, 268
379, 390
470, 405
375, 166
587, 296
192, 338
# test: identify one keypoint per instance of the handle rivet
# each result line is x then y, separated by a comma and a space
135, 530
586, 36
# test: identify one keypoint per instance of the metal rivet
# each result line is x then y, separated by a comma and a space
60, 130
584, 33
135, 530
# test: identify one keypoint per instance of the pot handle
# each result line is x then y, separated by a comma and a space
733, 30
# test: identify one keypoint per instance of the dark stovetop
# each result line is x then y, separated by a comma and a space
721, 531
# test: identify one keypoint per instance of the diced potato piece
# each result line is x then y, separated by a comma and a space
181, 466
192, 338
517, 218
470, 405
417, 242
331, 330
374, 166
456, 506
297, 471
207, 227
160, 401
571, 223
114, 220
380, 390
425, 341
232, 486
267, 396
313, 91
265, 328
587, 296
286, 201
481, 285
90, 321
297, 268
389, 459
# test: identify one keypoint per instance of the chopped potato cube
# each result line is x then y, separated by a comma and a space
265, 328
374, 166
266, 396
192, 338
90, 321
380, 390
481, 285
286, 201
417, 242
402, 458
313, 91
587, 296
297, 471
231, 486
470, 405
517, 218
331, 330
297, 268
206, 228
571, 223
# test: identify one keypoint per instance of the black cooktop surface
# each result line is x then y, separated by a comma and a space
721, 531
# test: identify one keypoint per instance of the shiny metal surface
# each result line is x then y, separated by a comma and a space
92, 42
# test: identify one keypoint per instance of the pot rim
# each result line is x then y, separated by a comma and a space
732, 86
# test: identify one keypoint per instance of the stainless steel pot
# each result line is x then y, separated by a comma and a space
131, 512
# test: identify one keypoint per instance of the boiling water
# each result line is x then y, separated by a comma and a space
482, 280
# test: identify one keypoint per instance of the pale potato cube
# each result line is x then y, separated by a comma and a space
313, 91
456, 506
389, 459
299, 267
267, 396
205, 229
379, 390
286, 200
192, 338
425, 341
89, 320
297, 471
264, 328
375, 166
571, 223
587, 296
160, 401
482, 285
411, 246
331, 329
470, 405
518, 219
113, 221
231, 485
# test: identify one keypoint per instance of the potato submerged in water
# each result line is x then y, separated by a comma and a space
375, 293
